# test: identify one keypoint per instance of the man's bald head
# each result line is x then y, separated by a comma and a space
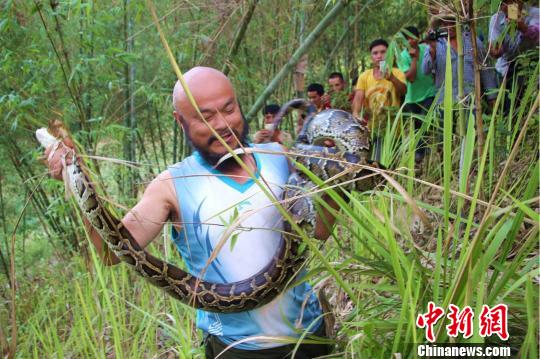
220, 110
198, 79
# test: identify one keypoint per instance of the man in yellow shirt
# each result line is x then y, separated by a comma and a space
376, 90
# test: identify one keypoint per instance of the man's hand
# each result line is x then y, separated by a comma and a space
262, 136
362, 120
413, 52
326, 99
401, 88
58, 155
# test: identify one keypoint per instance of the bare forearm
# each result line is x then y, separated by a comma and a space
401, 88
325, 219
358, 103
411, 73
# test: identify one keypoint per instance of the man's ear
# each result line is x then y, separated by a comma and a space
179, 119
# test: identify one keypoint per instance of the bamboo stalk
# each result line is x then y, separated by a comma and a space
160, 135
153, 140
477, 82
73, 95
63, 49
4, 229
304, 47
130, 121
143, 152
346, 34
460, 70
239, 36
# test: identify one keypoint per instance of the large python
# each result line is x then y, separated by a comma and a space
351, 148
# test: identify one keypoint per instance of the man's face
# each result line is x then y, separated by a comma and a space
377, 54
314, 98
413, 42
450, 26
269, 118
221, 111
336, 84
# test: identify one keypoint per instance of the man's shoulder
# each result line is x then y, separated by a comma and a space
161, 188
366, 74
163, 179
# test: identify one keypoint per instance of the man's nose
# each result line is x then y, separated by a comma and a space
221, 121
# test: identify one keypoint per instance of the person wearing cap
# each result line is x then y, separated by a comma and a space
434, 60
421, 89
268, 133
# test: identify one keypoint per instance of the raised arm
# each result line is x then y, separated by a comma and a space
398, 80
428, 60
144, 221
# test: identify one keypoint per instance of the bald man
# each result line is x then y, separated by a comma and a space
199, 198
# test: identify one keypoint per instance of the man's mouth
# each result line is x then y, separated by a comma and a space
227, 137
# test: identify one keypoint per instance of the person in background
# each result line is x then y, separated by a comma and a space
434, 60
337, 96
268, 134
315, 95
378, 89
513, 30
421, 89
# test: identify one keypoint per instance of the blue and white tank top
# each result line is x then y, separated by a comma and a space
209, 202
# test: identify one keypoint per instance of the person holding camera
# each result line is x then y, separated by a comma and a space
434, 60
512, 31
421, 89
268, 133
377, 90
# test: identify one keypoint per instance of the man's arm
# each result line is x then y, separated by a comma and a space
428, 60
400, 86
144, 221
358, 102
325, 220
408, 63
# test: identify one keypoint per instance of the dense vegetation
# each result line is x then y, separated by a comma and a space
461, 228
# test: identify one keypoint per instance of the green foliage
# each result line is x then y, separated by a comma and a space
70, 62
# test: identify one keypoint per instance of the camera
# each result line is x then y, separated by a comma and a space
433, 35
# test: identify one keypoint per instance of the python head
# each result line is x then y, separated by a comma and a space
338, 128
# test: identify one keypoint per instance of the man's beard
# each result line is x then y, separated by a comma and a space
211, 158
